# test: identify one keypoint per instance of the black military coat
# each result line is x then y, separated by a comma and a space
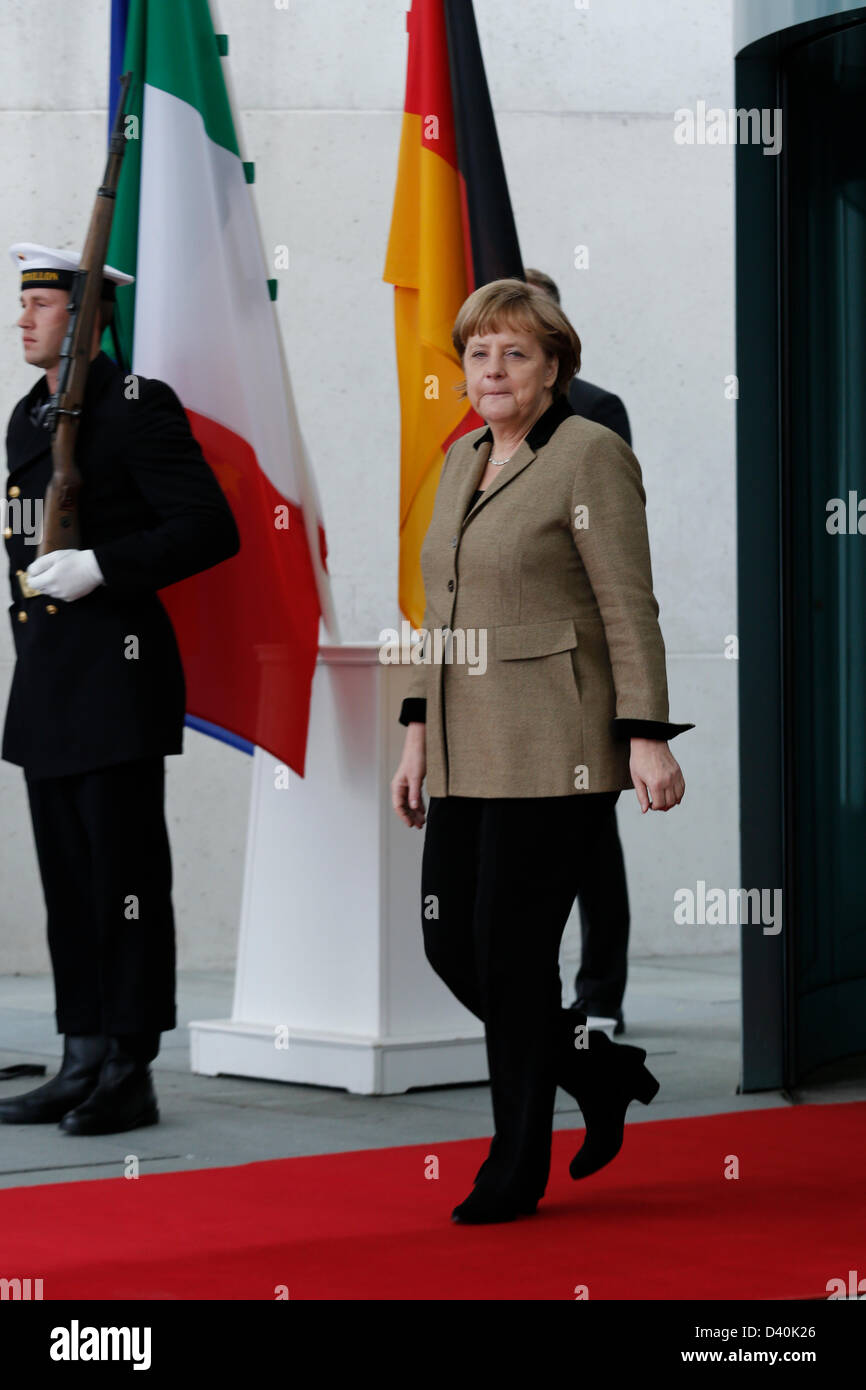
594, 403
99, 681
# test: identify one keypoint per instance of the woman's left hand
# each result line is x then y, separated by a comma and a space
657, 776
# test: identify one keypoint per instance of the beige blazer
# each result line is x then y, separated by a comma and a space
546, 588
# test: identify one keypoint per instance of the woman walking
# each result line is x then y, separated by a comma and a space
537, 551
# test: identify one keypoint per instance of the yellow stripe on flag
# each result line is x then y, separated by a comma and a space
425, 263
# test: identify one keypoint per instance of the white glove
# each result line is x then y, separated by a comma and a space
65, 574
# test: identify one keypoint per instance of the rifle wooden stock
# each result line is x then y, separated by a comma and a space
60, 526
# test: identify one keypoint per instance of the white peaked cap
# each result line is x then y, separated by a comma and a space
29, 256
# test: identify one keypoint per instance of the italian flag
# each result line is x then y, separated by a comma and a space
200, 317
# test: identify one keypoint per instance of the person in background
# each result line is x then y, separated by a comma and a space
603, 893
592, 402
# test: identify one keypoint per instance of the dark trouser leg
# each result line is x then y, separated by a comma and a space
449, 877
124, 810
64, 853
111, 924
449, 883
505, 875
530, 850
604, 919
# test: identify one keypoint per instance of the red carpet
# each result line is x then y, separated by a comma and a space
661, 1222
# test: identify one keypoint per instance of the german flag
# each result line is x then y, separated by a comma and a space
452, 229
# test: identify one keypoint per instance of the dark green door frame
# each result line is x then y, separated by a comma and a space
759, 493
765, 606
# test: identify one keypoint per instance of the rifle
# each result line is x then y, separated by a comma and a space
61, 528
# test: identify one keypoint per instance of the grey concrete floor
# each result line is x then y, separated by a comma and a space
684, 1012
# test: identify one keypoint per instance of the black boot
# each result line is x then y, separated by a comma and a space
604, 1079
83, 1056
124, 1098
481, 1208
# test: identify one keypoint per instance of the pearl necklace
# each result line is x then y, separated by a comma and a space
500, 463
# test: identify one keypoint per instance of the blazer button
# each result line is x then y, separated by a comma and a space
453, 540
8, 533
14, 492
22, 616
451, 586
50, 608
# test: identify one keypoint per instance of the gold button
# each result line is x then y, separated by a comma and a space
8, 533
22, 616
14, 492
51, 608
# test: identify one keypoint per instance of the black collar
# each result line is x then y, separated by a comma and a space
35, 404
37, 395
544, 427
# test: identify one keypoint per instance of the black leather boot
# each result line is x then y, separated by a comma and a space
481, 1208
604, 1079
124, 1098
83, 1057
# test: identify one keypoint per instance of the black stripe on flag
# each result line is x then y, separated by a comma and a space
493, 235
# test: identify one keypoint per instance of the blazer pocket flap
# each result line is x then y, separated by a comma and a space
535, 639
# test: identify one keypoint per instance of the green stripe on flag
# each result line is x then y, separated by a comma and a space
123, 243
181, 57
171, 46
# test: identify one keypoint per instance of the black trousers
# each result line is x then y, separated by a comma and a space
105, 864
498, 880
604, 923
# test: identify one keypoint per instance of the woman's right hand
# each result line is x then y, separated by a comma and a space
406, 783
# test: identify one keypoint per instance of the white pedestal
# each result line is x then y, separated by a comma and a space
332, 985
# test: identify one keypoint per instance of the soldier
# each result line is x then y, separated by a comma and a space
98, 700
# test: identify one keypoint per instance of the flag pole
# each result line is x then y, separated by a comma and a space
309, 500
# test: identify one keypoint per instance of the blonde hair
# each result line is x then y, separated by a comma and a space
517, 305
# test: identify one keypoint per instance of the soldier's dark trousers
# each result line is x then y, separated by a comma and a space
105, 863
604, 923
498, 880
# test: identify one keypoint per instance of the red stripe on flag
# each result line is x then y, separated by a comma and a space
256, 682
471, 421
428, 78
467, 235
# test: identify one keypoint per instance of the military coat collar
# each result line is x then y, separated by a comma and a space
28, 439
